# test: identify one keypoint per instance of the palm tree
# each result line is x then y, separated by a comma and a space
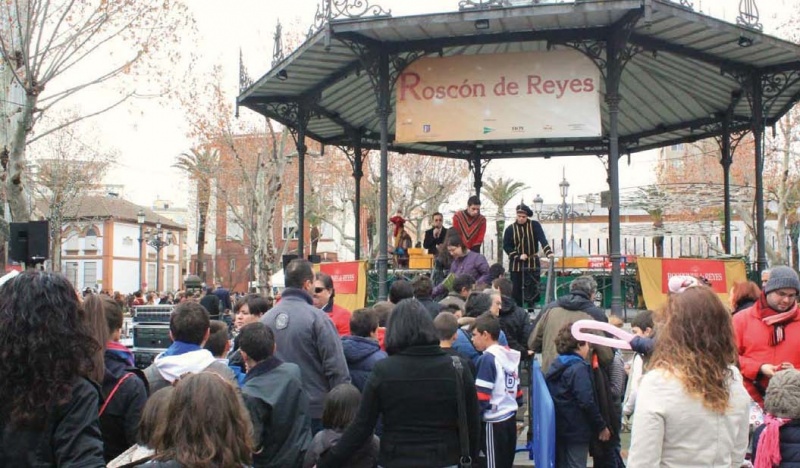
500, 191
201, 166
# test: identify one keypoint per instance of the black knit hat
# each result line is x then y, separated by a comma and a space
782, 277
523, 208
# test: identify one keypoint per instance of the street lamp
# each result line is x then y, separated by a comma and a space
563, 187
537, 206
140, 221
158, 241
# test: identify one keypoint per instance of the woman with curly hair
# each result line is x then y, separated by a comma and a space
209, 426
48, 406
692, 408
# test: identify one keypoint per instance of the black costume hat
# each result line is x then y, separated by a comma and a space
523, 208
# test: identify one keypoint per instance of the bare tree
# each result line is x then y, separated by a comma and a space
65, 165
52, 50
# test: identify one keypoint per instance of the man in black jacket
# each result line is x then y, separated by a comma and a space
434, 237
521, 243
274, 396
423, 287
514, 320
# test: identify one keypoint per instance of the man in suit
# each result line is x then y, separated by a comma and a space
434, 237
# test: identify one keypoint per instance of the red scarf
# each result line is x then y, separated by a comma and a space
777, 321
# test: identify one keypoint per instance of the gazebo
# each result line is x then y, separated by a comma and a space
665, 74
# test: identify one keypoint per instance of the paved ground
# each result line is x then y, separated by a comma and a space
522, 457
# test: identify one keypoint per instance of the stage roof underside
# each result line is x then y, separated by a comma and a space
685, 74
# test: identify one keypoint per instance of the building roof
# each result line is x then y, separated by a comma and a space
99, 207
685, 72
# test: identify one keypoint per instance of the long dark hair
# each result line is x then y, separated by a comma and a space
341, 406
95, 307
43, 332
409, 325
209, 425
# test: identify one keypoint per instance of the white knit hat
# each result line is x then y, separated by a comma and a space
679, 284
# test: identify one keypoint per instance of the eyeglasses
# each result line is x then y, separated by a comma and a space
318, 290
784, 295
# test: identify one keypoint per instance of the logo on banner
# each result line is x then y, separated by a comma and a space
711, 270
344, 276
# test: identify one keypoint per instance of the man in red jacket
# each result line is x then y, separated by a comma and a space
768, 333
471, 224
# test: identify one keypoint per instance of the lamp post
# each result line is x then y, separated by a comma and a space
140, 221
538, 203
157, 241
563, 187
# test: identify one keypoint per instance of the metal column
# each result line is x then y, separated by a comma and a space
614, 71
726, 160
383, 214
301, 181
358, 173
477, 173
758, 137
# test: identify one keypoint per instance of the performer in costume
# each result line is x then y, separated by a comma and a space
520, 242
399, 224
471, 224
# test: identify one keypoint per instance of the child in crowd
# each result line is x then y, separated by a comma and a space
219, 343
361, 348
641, 325
341, 406
447, 329
578, 418
383, 310
499, 395
149, 425
777, 441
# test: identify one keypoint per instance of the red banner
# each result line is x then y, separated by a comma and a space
344, 274
603, 262
712, 270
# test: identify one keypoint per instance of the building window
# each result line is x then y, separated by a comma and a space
233, 264
677, 147
169, 280
289, 225
71, 271
72, 241
91, 239
233, 230
89, 274
151, 277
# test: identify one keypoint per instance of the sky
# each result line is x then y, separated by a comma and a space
149, 134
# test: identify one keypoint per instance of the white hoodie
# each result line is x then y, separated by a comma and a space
497, 382
172, 368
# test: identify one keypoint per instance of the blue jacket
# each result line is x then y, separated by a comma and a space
578, 418
463, 344
790, 444
361, 355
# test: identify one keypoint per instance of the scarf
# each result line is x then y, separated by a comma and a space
121, 351
769, 447
777, 321
179, 347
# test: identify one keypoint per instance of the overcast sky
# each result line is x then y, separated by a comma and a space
149, 135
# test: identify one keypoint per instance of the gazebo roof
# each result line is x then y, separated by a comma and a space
686, 72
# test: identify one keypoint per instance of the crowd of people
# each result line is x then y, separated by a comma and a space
428, 378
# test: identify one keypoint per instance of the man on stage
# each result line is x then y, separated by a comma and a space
471, 224
434, 237
520, 242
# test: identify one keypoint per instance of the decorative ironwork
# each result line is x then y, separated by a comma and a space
277, 48
687, 4
328, 10
748, 15
482, 4
596, 49
244, 79
773, 86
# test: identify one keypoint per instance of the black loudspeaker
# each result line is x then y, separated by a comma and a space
18, 243
38, 241
30, 242
314, 259
288, 258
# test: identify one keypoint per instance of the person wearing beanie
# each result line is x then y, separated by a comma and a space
777, 441
768, 333
521, 243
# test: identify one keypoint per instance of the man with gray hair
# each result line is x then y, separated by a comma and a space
577, 305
